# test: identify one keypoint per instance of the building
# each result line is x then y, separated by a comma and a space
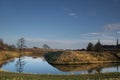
112, 47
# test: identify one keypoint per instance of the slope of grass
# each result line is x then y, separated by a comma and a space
6, 55
78, 57
20, 76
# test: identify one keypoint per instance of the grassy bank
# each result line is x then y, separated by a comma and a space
19, 76
6, 55
81, 57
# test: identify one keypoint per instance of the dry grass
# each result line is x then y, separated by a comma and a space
77, 57
6, 55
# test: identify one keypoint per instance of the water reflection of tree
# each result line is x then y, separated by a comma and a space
20, 63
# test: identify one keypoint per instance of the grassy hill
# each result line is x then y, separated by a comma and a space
80, 57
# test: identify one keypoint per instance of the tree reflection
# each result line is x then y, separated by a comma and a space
20, 63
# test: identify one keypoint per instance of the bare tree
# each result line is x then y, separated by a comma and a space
21, 44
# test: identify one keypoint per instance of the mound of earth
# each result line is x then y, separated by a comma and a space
79, 57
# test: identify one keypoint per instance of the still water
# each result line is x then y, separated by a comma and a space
40, 66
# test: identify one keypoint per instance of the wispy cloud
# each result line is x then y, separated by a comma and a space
100, 35
60, 44
71, 13
112, 27
106, 37
92, 34
108, 42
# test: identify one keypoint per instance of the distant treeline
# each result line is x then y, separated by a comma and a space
5, 46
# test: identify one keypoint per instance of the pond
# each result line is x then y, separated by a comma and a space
40, 66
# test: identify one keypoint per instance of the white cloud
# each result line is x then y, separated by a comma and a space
71, 13
118, 32
100, 35
92, 34
67, 44
108, 42
107, 37
60, 44
112, 27
108, 29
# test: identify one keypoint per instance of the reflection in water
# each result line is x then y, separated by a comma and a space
20, 64
5, 63
39, 65
90, 68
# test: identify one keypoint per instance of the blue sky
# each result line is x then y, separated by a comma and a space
61, 24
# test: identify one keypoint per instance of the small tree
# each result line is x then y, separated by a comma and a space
90, 47
98, 47
21, 44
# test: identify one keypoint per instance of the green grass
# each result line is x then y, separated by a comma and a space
21, 76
